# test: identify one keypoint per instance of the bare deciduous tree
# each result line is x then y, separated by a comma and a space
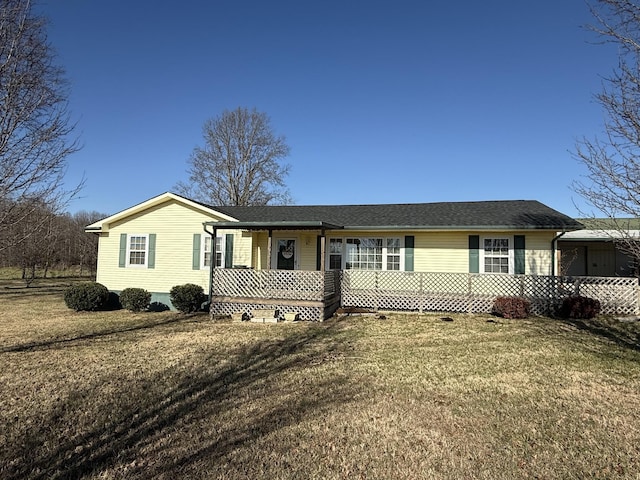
36, 134
240, 163
54, 242
612, 185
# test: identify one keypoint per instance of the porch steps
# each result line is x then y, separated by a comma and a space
265, 316
264, 320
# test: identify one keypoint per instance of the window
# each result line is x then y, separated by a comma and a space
137, 249
365, 254
393, 254
219, 252
335, 254
206, 252
497, 255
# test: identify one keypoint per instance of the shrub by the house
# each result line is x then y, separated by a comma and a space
187, 298
135, 299
86, 296
580, 307
511, 307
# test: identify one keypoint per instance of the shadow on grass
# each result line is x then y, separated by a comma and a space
58, 342
188, 417
16, 288
623, 334
20, 291
593, 333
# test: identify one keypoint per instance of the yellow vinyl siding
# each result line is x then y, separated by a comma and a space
241, 247
441, 252
449, 251
174, 225
538, 252
307, 250
260, 251
433, 251
305, 243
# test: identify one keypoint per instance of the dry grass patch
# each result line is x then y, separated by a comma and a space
118, 395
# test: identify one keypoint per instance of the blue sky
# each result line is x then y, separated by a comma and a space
380, 101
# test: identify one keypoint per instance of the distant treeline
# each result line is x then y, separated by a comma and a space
39, 240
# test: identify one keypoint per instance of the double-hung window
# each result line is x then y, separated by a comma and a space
393, 254
497, 256
335, 254
137, 250
206, 252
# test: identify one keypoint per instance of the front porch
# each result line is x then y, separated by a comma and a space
312, 295
316, 295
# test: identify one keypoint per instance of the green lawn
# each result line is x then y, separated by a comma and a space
161, 395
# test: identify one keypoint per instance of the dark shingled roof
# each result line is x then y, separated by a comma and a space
506, 214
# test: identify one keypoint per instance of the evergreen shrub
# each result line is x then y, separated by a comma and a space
187, 298
86, 296
135, 299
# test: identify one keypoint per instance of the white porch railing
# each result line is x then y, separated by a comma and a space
474, 293
316, 294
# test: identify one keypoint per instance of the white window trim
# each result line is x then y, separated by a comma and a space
385, 254
202, 252
328, 253
511, 257
384, 251
146, 251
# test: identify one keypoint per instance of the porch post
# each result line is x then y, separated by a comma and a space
212, 261
269, 249
323, 242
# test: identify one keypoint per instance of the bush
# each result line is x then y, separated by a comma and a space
135, 299
187, 298
511, 307
86, 296
580, 307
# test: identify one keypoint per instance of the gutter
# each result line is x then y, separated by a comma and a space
554, 248
316, 225
212, 234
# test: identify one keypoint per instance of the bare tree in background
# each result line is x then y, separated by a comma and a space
85, 245
35, 128
612, 185
240, 163
58, 242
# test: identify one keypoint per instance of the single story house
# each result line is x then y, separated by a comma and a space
595, 250
289, 257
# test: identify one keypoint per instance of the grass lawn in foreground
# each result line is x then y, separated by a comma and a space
115, 395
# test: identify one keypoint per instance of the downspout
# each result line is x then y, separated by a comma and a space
554, 248
212, 234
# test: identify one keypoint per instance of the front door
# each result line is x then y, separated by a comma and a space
286, 254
